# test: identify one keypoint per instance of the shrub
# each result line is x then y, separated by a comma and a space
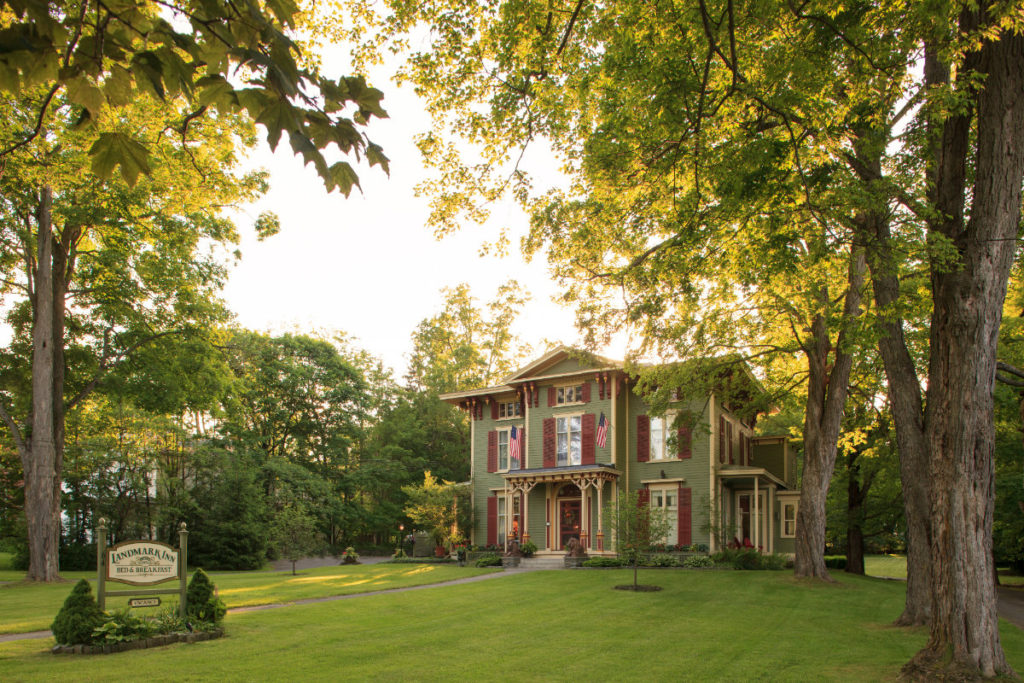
835, 561
399, 554
350, 556
773, 561
662, 560
604, 562
203, 603
698, 561
489, 560
78, 618
168, 620
528, 548
122, 626
748, 558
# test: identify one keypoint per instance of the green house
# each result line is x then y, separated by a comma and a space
567, 433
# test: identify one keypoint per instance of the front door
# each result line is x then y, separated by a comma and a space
750, 531
568, 521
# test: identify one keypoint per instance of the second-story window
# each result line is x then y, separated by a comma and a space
571, 394
659, 429
569, 432
509, 410
502, 450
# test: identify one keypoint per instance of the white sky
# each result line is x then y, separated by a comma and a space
368, 265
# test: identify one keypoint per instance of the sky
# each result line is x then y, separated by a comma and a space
368, 264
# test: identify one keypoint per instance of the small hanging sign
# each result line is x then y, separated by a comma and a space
144, 602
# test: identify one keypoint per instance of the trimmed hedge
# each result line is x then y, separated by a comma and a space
78, 618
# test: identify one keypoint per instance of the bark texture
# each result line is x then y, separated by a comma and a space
41, 450
826, 399
968, 298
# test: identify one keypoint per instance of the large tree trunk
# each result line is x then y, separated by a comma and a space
968, 297
908, 417
40, 451
826, 399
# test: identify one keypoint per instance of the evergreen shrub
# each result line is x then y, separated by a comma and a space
203, 603
78, 618
835, 561
604, 562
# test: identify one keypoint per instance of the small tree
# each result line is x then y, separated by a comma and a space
202, 601
436, 506
635, 526
293, 534
78, 617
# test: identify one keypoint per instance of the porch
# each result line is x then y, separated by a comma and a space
749, 507
550, 506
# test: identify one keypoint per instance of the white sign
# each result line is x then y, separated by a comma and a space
144, 602
142, 563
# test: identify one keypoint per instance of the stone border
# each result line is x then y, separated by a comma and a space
141, 644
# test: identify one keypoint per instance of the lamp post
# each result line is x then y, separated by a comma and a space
401, 537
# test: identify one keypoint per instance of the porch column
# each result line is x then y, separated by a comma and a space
600, 515
771, 518
584, 517
757, 515
508, 515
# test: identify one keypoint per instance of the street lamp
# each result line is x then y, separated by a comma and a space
401, 537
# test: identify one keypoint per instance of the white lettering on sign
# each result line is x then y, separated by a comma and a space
144, 602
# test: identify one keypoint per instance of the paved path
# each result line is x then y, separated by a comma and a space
1011, 604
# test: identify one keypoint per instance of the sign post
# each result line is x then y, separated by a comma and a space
142, 563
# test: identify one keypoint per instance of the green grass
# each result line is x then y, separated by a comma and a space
561, 625
887, 566
32, 607
895, 567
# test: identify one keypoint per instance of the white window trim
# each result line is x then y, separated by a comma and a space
508, 417
574, 386
782, 518
508, 453
667, 419
568, 452
671, 513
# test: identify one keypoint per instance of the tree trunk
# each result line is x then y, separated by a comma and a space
968, 298
826, 399
908, 418
855, 495
40, 451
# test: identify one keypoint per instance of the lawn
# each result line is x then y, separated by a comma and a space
32, 607
558, 625
895, 567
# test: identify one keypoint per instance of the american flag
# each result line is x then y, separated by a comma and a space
515, 440
602, 431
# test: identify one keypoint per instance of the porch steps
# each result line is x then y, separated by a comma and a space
543, 562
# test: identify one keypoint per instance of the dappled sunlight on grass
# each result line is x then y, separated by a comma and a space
422, 569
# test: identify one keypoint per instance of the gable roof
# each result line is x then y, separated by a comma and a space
557, 355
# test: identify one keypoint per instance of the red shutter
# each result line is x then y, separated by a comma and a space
643, 497
588, 456
551, 397
684, 442
492, 451
549, 442
728, 429
494, 410
643, 438
721, 439
586, 392
492, 520
685, 516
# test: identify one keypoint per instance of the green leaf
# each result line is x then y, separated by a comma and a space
215, 90
118, 86
342, 176
375, 155
83, 92
117, 149
280, 116
148, 70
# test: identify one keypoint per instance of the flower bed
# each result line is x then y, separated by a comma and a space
141, 644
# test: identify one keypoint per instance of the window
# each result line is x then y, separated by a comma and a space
502, 517
666, 501
573, 394
509, 410
503, 449
569, 434
789, 520
659, 438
